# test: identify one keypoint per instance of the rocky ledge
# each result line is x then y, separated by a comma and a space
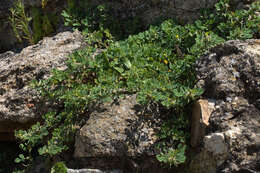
20, 105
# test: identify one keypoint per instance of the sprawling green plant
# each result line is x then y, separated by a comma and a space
229, 24
157, 65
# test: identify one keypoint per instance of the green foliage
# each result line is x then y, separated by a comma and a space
59, 167
31, 28
18, 171
20, 22
173, 156
229, 24
173, 136
157, 65
36, 15
43, 23
88, 17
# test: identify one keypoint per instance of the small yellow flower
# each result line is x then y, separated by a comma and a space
165, 61
177, 36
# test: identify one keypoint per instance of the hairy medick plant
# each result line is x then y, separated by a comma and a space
157, 65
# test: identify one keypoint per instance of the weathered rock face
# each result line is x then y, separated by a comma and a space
150, 11
230, 75
19, 103
119, 132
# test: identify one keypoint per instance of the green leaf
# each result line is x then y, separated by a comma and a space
120, 70
21, 156
128, 64
17, 160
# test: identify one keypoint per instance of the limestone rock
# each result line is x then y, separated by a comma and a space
120, 136
230, 74
215, 144
212, 155
117, 131
19, 103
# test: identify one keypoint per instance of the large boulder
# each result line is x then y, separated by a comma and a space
20, 105
117, 133
230, 76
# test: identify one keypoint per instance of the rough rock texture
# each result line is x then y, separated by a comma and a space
230, 74
120, 136
118, 131
19, 103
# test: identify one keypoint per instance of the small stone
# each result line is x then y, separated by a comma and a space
201, 112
